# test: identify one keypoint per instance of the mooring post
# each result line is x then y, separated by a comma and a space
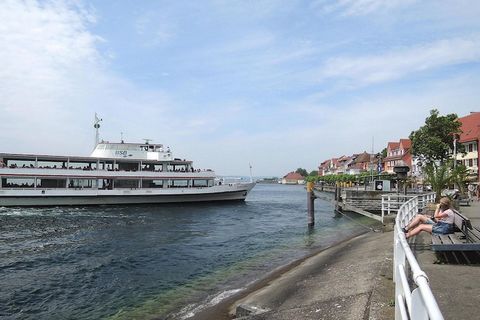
338, 198
310, 204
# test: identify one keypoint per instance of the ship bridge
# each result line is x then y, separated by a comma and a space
137, 151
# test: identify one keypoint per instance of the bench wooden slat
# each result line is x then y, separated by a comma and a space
436, 240
444, 238
457, 247
455, 241
473, 235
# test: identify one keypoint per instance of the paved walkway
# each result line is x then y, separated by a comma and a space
456, 287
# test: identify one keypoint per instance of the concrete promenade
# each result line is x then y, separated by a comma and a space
456, 287
353, 280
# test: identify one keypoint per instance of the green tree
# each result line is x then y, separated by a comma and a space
459, 177
438, 176
434, 140
384, 153
313, 173
302, 171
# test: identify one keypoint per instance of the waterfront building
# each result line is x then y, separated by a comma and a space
354, 164
327, 167
293, 178
399, 153
362, 162
323, 168
470, 138
344, 164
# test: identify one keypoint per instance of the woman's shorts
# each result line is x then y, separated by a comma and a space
442, 228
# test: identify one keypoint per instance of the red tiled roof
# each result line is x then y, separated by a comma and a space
470, 127
294, 176
406, 143
363, 157
335, 161
356, 166
393, 145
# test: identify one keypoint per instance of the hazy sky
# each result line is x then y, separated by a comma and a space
278, 84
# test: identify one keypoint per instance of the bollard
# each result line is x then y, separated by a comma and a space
310, 204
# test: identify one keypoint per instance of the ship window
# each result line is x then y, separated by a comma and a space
126, 183
75, 165
19, 163
200, 183
152, 167
178, 183
23, 183
51, 183
83, 183
152, 184
127, 166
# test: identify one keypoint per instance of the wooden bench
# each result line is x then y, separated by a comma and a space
464, 238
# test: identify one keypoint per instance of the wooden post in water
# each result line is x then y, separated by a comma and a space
338, 198
310, 204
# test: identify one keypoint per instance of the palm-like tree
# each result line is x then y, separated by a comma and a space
459, 177
439, 176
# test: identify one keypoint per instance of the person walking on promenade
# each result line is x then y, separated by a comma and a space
441, 222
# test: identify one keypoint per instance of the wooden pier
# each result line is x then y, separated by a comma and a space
364, 202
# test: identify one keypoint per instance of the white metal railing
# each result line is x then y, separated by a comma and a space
418, 303
392, 202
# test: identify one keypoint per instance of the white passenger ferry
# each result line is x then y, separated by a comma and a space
115, 173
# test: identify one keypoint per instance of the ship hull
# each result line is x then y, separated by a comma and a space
65, 197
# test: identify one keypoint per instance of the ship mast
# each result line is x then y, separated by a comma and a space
96, 125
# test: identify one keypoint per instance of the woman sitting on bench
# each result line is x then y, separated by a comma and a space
441, 223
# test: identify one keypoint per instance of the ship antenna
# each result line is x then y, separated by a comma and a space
251, 177
96, 125
121, 137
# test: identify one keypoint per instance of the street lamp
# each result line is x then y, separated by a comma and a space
401, 169
454, 151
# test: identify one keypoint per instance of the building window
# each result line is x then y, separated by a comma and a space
470, 147
470, 162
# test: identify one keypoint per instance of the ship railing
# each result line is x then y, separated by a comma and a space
418, 303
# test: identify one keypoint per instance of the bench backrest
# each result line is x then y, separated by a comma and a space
461, 221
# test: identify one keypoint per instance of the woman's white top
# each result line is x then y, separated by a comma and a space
449, 218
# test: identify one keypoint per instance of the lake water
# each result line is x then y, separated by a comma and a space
164, 261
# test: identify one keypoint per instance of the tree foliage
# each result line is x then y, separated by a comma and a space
438, 176
384, 153
302, 171
459, 177
434, 141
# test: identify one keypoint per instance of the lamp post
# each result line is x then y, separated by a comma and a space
401, 170
454, 151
